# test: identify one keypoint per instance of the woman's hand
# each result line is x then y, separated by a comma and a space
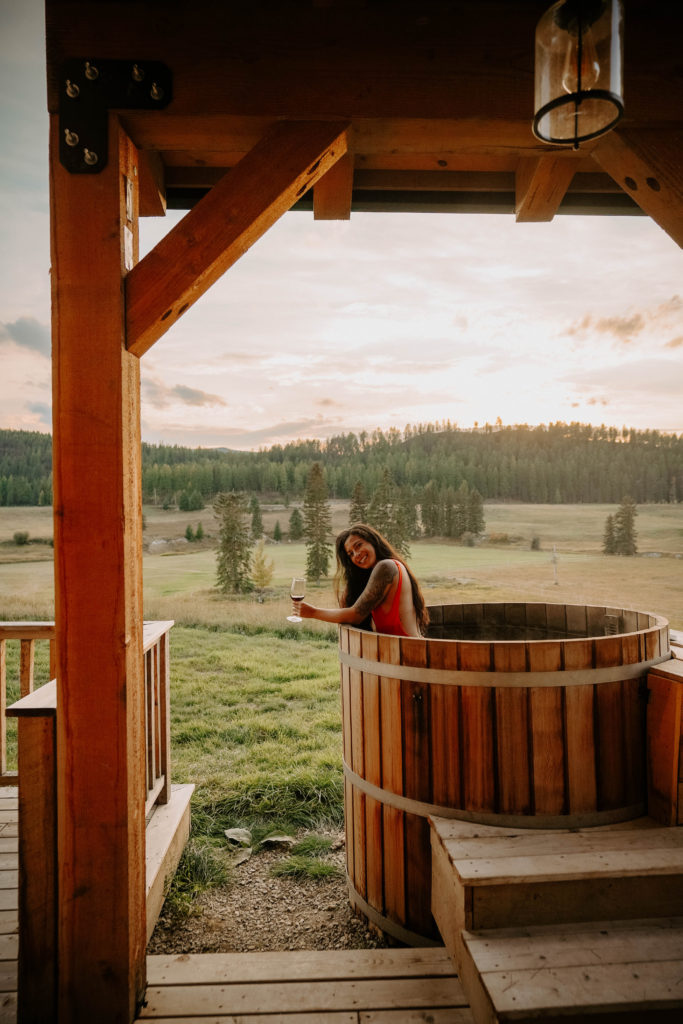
306, 611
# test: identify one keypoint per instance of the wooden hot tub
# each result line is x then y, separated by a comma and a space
522, 715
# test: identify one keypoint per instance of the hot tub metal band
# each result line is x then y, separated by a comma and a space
456, 677
550, 821
386, 924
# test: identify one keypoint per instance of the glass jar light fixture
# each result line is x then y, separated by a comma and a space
578, 76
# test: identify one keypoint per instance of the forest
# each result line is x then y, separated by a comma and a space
555, 463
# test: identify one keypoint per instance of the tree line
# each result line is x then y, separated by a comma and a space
556, 463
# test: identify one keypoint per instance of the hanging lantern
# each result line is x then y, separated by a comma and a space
578, 79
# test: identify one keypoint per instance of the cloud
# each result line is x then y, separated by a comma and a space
42, 411
161, 397
675, 342
652, 377
27, 332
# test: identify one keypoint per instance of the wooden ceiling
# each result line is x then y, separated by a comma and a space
439, 97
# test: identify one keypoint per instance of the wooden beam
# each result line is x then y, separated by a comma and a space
225, 223
540, 186
648, 165
152, 187
98, 592
332, 194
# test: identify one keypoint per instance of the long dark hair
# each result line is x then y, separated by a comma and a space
350, 581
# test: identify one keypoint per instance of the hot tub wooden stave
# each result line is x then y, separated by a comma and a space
524, 733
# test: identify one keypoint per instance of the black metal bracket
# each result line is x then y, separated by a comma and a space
88, 89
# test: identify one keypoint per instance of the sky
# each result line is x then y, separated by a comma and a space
381, 321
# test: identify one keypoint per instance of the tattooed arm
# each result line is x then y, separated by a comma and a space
381, 578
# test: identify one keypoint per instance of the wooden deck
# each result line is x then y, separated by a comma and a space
563, 925
382, 986
9, 923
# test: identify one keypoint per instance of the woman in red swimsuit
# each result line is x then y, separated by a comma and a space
374, 587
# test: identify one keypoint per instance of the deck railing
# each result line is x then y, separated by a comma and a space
155, 645
25, 634
36, 722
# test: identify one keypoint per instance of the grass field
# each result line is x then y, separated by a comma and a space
255, 703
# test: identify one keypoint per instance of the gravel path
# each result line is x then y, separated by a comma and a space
257, 911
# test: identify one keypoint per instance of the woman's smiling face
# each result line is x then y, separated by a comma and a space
360, 551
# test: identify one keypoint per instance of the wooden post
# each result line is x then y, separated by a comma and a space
98, 591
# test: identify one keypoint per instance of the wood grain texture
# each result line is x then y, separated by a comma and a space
98, 598
225, 223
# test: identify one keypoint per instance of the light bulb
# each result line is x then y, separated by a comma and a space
572, 81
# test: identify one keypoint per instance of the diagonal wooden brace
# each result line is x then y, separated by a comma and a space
240, 208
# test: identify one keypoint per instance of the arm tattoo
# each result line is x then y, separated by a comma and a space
381, 578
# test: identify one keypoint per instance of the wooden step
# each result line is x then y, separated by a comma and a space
379, 986
624, 970
509, 879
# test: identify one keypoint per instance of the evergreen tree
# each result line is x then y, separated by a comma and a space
234, 546
317, 524
380, 508
256, 518
189, 533
475, 513
358, 512
624, 527
199, 532
296, 525
277, 532
262, 569
608, 544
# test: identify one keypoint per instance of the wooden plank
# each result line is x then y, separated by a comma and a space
311, 996
37, 899
445, 728
541, 184
332, 193
547, 733
569, 865
559, 842
358, 765
639, 988
664, 721
512, 730
373, 773
392, 780
430, 1016
297, 965
479, 792
331, 1017
597, 898
648, 165
27, 660
96, 466
3, 707
291, 158
576, 944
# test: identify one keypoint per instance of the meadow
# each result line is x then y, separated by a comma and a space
255, 704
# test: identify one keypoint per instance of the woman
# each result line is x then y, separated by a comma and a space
373, 587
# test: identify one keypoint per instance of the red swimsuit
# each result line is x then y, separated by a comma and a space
390, 622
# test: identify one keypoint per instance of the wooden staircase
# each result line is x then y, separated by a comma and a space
562, 925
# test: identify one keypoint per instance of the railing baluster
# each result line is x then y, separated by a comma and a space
27, 663
3, 708
165, 716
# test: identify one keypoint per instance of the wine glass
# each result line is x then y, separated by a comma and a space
298, 592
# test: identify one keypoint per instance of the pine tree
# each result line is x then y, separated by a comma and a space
189, 533
256, 518
624, 527
262, 569
234, 543
475, 513
358, 512
199, 532
277, 532
380, 508
317, 524
608, 544
296, 525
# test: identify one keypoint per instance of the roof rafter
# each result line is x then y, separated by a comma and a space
281, 168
